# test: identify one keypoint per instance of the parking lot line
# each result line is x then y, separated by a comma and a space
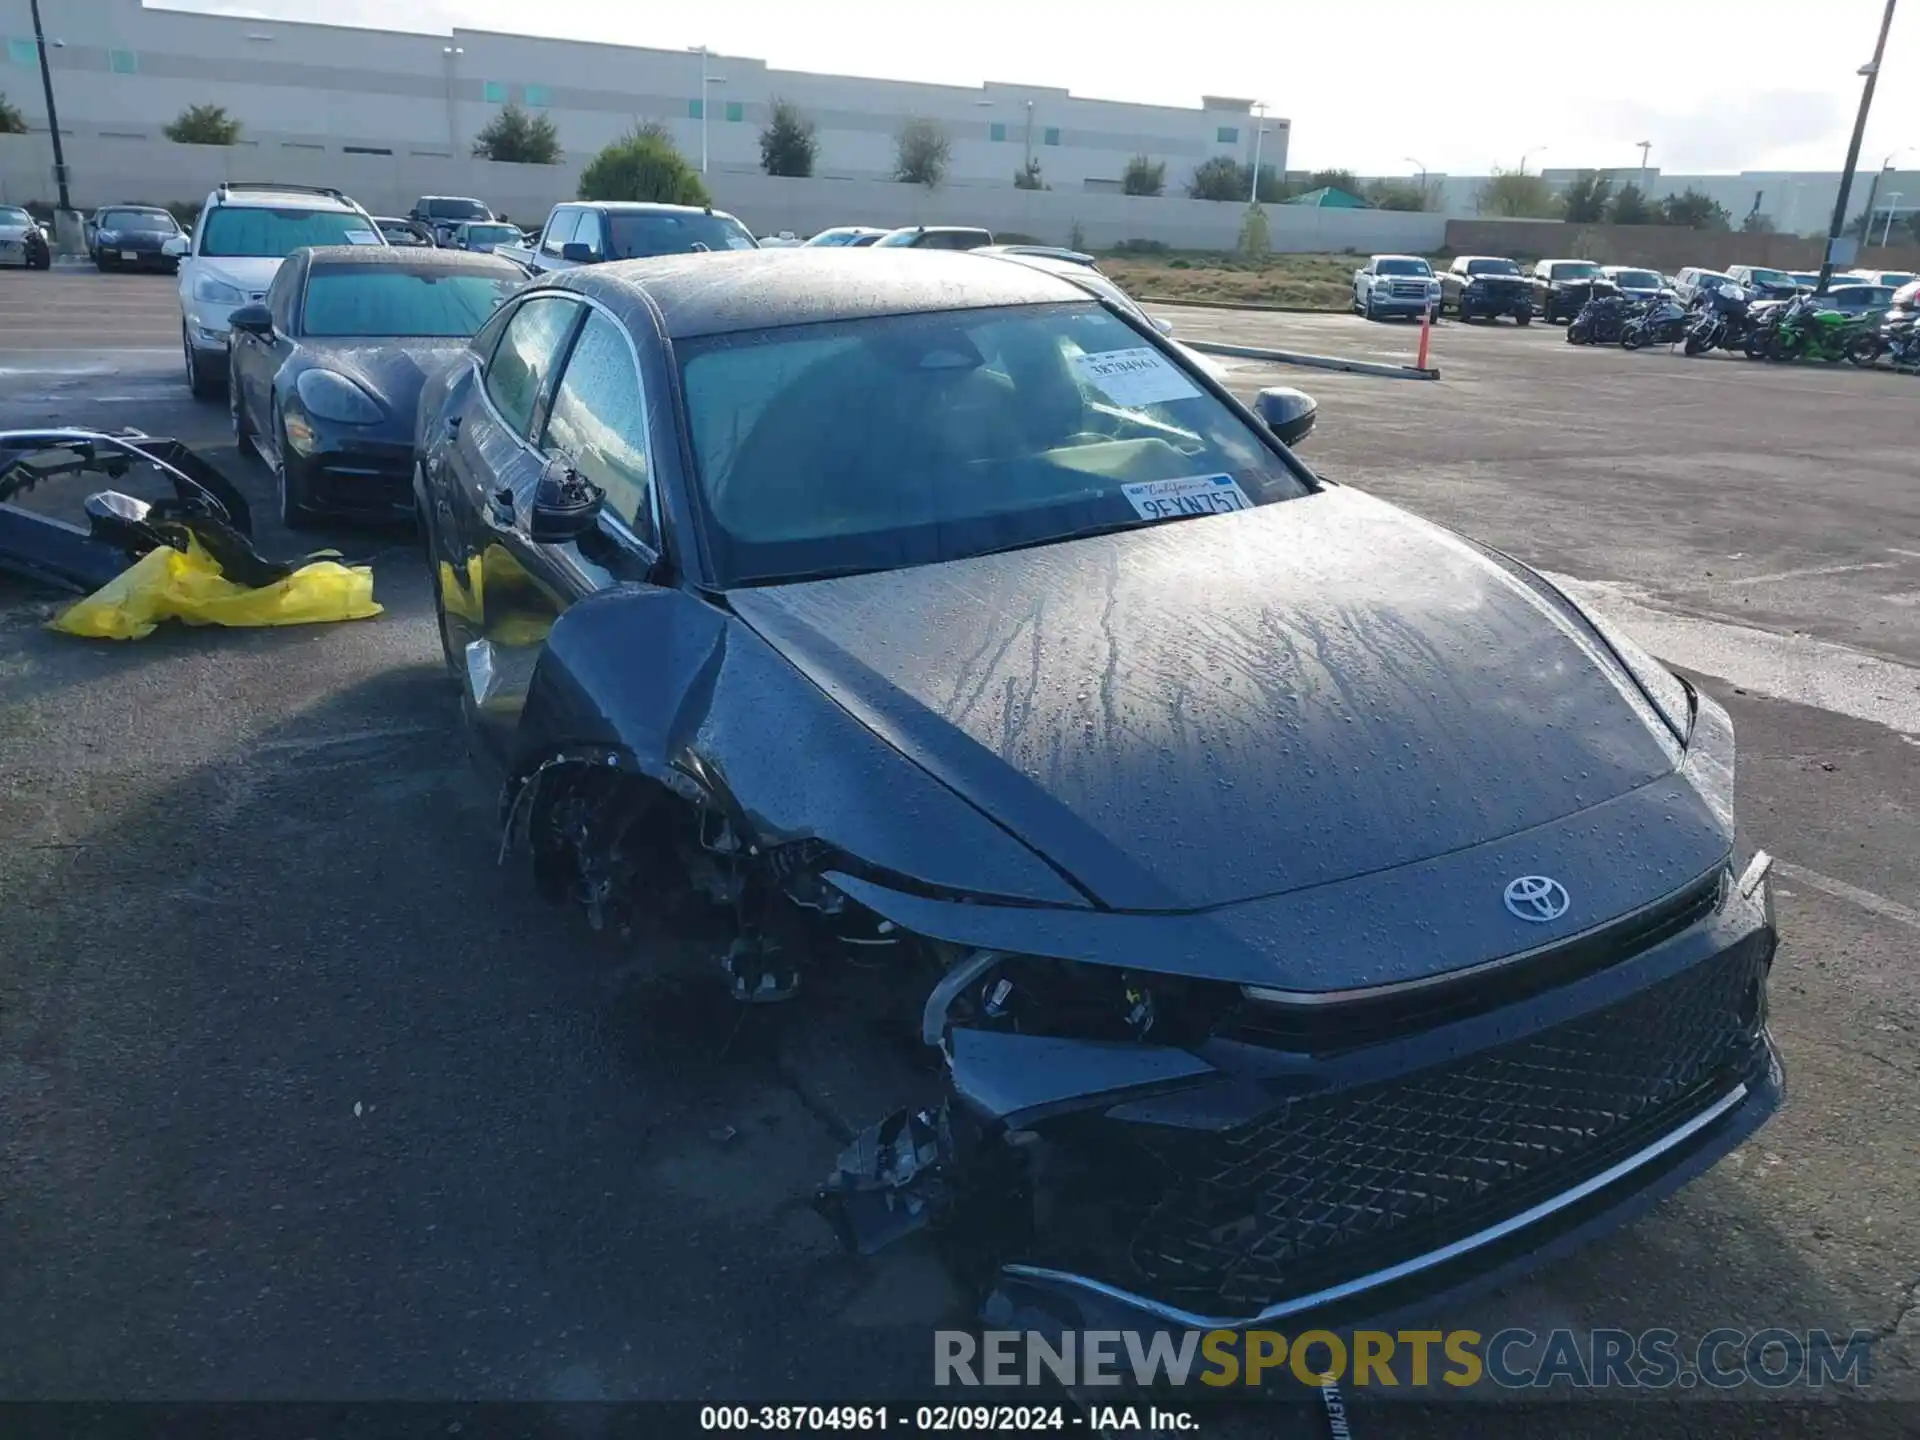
1841, 890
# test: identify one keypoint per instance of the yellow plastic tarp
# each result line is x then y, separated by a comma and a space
169, 584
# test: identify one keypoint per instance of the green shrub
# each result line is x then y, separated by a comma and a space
643, 164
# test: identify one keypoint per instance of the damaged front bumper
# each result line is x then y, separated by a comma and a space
1354, 1164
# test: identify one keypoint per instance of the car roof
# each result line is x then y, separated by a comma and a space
266, 198
1565, 260
141, 209
722, 292
1506, 259
1043, 252
357, 257
641, 207
1391, 256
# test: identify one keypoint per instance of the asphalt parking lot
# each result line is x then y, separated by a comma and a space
304, 1098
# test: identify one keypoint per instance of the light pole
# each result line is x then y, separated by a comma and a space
1873, 190
1525, 153
1029, 154
1422, 165
1886, 231
1645, 146
707, 79
449, 55
1259, 131
53, 114
1870, 72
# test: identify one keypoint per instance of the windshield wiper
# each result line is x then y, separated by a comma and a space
1113, 528
802, 577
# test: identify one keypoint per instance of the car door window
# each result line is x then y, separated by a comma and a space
280, 296
559, 231
598, 421
588, 232
525, 357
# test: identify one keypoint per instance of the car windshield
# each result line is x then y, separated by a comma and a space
1770, 277
1636, 279
1402, 267
14, 215
251, 231
157, 222
1492, 267
835, 237
458, 210
400, 233
1574, 270
901, 440
491, 235
1895, 278
410, 299
635, 235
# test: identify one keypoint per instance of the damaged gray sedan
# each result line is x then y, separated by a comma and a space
1312, 911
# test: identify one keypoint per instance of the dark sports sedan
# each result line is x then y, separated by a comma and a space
326, 375
1313, 911
132, 237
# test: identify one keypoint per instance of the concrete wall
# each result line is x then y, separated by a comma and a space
160, 172
1659, 247
126, 70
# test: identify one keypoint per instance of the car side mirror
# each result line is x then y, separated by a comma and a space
1288, 413
565, 505
1162, 324
579, 252
174, 246
253, 320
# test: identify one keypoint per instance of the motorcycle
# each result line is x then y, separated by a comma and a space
1720, 320
1898, 338
1600, 321
1800, 331
1659, 322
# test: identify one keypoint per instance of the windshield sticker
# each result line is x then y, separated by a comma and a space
1139, 376
1193, 495
362, 237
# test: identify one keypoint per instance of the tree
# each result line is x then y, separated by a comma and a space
643, 164
12, 122
1695, 211
1395, 195
1630, 206
1221, 178
1334, 179
789, 145
1143, 177
1584, 201
1757, 224
516, 138
203, 125
921, 153
1256, 235
1516, 195
1028, 176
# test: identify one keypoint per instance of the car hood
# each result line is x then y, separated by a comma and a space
394, 369
1238, 706
13, 232
251, 273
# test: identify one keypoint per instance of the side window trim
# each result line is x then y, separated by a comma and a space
590, 307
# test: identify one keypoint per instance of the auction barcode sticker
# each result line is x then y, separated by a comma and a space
1192, 495
1140, 376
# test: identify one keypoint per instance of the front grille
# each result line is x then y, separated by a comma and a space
1337, 1186
1408, 290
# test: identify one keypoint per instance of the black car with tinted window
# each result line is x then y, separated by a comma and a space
1561, 287
326, 375
1313, 912
1485, 287
440, 213
132, 237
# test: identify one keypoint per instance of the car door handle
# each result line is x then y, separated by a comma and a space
500, 506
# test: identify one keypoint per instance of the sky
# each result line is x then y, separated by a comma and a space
1374, 86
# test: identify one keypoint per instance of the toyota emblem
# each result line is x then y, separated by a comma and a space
1537, 898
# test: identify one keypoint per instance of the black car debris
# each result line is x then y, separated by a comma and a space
1561, 287
326, 374
1311, 910
132, 237
1486, 287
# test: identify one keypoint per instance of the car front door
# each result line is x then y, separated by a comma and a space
256, 359
595, 424
490, 471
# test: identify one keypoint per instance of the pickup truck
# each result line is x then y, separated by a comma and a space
1489, 285
1395, 285
1561, 287
587, 232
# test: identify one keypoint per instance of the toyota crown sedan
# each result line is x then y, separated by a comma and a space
1310, 910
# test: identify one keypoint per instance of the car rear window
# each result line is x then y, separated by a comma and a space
250, 231
158, 222
436, 301
636, 235
1492, 267
458, 210
1636, 279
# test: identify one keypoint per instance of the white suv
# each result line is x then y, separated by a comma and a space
242, 235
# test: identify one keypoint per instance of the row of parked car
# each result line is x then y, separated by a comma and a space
1489, 287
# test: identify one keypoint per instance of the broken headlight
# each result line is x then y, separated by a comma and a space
1071, 999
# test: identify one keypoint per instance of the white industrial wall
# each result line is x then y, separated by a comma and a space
159, 172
